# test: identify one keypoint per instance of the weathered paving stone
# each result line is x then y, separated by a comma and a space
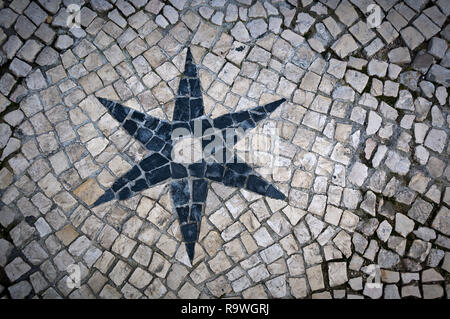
387, 259
397, 164
439, 74
8, 17
16, 268
412, 37
437, 47
24, 27
20, 290
337, 273
356, 79
436, 140
419, 250
344, 46
358, 174
5, 248
101, 5
378, 68
19, 68
403, 225
441, 221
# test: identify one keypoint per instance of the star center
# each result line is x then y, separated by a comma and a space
187, 150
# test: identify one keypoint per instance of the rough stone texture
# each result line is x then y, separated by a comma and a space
442, 221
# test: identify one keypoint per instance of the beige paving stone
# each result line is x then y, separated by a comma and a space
315, 277
89, 191
67, 234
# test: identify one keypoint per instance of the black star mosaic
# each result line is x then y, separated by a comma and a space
188, 181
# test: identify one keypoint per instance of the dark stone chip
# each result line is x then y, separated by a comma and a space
164, 131
230, 136
130, 126
106, 197
199, 126
139, 185
143, 135
138, 116
120, 112
167, 150
214, 171
189, 58
223, 121
196, 106
190, 70
247, 124
151, 123
199, 190
183, 214
155, 144
197, 169
30, 220
180, 129
183, 87
210, 150
241, 168
107, 103
206, 125
132, 174
181, 110
239, 117
180, 192
257, 185
124, 194
215, 156
258, 116
158, 175
275, 193
217, 143
195, 127
258, 109
195, 88
196, 213
189, 232
190, 249
118, 184
178, 170
233, 179
274, 105
228, 155
153, 161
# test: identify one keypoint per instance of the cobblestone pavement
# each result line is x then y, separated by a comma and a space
359, 148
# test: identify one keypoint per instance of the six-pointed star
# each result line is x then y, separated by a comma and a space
189, 181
